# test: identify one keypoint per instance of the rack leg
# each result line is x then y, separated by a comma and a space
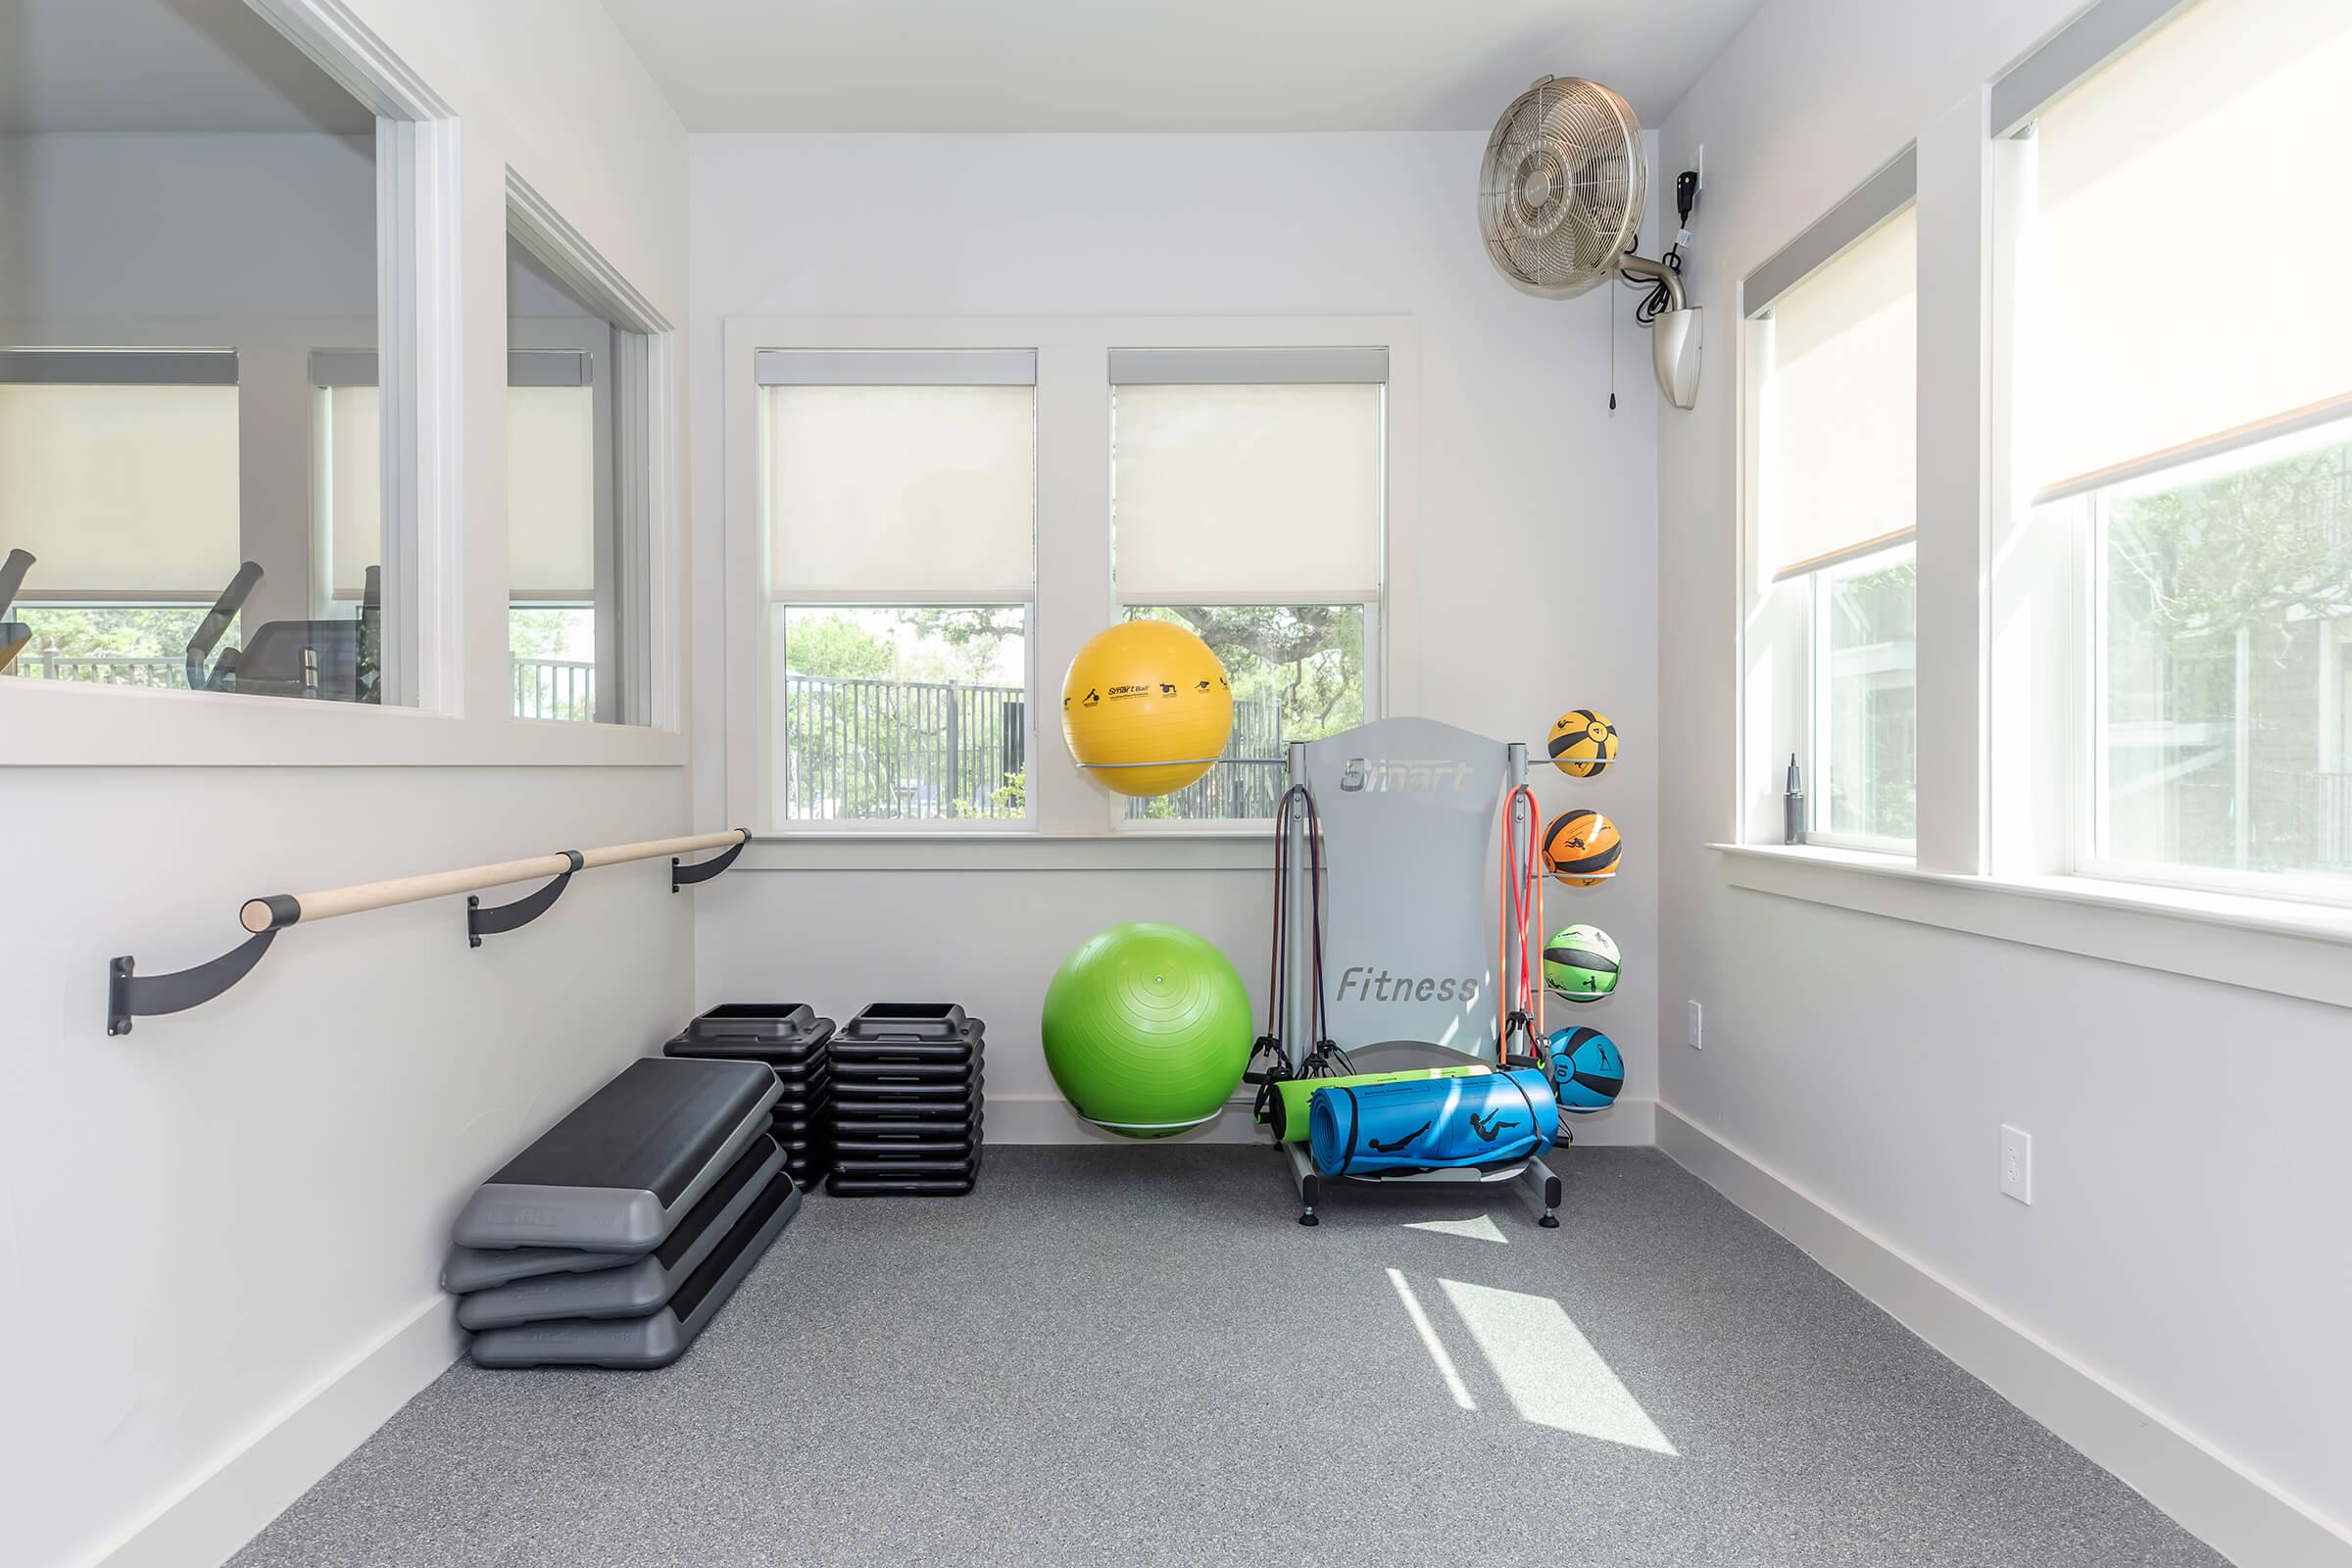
1307, 1179
1544, 1189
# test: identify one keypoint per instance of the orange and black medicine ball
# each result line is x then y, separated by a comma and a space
1582, 743
1582, 848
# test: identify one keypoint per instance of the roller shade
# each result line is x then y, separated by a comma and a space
894, 366
912, 491
2157, 180
551, 493
1260, 492
348, 481
122, 491
1242, 366
551, 473
1838, 438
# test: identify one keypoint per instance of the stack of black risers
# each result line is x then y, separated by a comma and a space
798, 1045
906, 1106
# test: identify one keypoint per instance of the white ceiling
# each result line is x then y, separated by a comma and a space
160, 67
1157, 64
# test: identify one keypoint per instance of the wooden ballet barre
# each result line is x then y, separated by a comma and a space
279, 911
130, 994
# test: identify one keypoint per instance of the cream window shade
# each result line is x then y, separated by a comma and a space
551, 493
1838, 427
348, 482
122, 491
1261, 492
918, 492
2137, 335
551, 476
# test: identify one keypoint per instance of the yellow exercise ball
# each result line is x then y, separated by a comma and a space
1146, 707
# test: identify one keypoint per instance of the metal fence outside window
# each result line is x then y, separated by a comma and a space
1247, 782
941, 750
46, 664
555, 688
863, 747
544, 688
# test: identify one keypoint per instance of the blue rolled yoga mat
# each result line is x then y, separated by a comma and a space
1424, 1124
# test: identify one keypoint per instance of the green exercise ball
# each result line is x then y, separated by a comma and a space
1147, 1029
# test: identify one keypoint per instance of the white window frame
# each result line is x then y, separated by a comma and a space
997, 365
2000, 604
444, 632
1230, 366
1783, 676
1073, 596
2084, 516
1818, 680
2047, 823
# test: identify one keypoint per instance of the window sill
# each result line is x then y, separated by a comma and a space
2275, 945
1239, 849
69, 724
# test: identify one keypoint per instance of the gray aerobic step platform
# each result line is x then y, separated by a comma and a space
649, 1281
628, 1162
660, 1337
474, 1268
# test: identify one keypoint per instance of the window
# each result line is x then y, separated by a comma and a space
1247, 504
120, 491
928, 519
156, 442
567, 582
2198, 452
898, 498
1865, 685
576, 568
911, 713
1834, 407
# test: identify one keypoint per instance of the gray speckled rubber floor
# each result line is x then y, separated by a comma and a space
1112, 1356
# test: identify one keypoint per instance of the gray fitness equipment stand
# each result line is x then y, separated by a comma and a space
1409, 809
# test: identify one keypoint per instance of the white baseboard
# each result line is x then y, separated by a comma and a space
2210, 1496
1049, 1119
259, 1475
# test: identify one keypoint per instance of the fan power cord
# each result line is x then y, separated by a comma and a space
1654, 295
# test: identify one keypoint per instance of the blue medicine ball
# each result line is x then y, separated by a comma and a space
1585, 1069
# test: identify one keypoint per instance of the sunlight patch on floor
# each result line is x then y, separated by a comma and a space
1478, 1228
1554, 1376
1430, 1342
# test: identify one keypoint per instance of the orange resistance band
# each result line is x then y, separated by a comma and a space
1521, 916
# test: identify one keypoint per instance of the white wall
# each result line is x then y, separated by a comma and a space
2185, 1241
187, 227
227, 1275
1536, 560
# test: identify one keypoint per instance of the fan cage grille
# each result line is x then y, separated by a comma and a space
1562, 186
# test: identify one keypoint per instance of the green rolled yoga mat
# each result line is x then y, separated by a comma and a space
1287, 1112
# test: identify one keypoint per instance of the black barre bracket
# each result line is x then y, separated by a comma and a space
130, 994
681, 877
504, 917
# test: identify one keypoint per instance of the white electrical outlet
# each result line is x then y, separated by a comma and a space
1695, 1028
2017, 1164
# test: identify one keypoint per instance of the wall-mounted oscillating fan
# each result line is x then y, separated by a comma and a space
1559, 202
